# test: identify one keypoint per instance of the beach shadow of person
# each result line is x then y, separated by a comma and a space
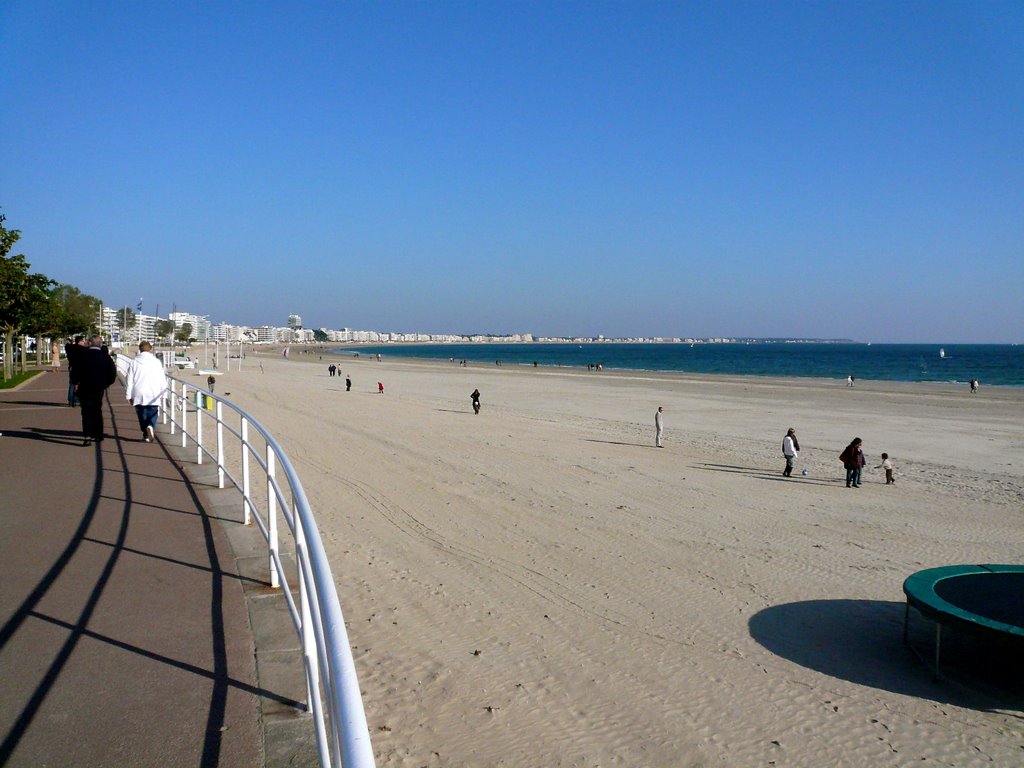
862, 641
619, 442
762, 474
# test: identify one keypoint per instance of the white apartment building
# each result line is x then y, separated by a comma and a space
294, 322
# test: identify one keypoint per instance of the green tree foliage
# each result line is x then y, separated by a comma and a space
320, 335
24, 297
78, 312
125, 318
184, 333
163, 328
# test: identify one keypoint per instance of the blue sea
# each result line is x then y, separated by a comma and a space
1000, 364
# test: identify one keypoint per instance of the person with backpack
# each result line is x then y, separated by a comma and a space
853, 459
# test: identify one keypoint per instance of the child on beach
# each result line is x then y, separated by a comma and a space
887, 466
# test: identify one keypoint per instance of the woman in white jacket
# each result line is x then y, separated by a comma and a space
790, 449
145, 385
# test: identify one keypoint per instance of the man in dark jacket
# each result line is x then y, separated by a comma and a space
93, 371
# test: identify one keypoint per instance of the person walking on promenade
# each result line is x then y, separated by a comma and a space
790, 449
92, 373
71, 351
853, 459
475, 397
144, 386
54, 356
659, 428
348, 383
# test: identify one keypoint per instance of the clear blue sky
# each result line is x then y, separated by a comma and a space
830, 169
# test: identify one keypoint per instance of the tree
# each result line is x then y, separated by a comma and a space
184, 333
23, 296
163, 328
320, 335
78, 312
125, 320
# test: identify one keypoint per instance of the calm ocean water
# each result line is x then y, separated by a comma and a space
989, 363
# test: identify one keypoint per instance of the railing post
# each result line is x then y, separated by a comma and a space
184, 415
246, 509
174, 405
199, 427
220, 445
275, 579
308, 636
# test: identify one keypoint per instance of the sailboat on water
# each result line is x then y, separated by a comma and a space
942, 353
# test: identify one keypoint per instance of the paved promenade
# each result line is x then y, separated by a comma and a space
125, 634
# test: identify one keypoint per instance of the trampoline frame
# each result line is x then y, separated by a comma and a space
919, 589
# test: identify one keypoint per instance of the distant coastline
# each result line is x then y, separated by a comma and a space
995, 364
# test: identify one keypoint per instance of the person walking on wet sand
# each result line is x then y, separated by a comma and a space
659, 428
475, 397
853, 459
790, 449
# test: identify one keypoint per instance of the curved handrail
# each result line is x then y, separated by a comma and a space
342, 735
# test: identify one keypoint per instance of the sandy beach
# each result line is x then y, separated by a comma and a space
538, 585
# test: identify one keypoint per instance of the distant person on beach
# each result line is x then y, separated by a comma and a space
144, 385
790, 449
475, 397
659, 427
849, 381
93, 372
974, 386
210, 381
380, 388
853, 459
330, 370
887, 466
348, 384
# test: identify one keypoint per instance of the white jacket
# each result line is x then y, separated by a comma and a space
787, 447
146, 380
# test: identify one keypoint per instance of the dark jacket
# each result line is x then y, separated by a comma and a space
852, 456
93, 370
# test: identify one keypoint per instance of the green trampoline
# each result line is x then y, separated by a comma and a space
986, 599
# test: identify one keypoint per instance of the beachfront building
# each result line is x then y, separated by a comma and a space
226, 332
294, 322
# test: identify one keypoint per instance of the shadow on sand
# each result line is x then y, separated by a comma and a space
862, 641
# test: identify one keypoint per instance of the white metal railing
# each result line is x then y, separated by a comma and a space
333, 698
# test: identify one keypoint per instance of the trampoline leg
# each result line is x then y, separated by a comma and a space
938, 646
906, 620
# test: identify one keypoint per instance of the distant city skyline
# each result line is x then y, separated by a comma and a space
657, 169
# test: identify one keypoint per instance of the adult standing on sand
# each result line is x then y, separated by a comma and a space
348, 383
790, 449
853, 459
475, 397
659, 428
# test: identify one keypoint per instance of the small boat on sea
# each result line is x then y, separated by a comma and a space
942, 352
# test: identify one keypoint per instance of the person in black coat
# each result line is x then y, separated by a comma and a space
93, 371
